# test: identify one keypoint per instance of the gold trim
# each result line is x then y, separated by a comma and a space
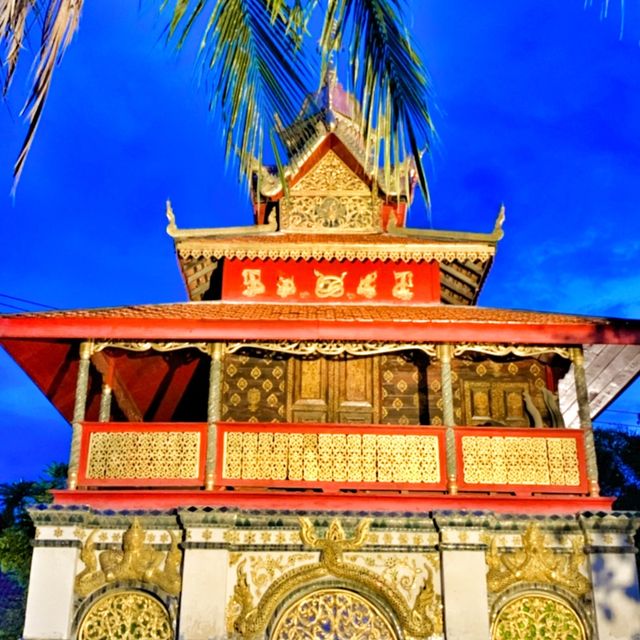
352, 252
333, 348
510, 349
204, 347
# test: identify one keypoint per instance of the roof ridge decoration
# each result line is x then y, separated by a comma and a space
455, 236
248, 230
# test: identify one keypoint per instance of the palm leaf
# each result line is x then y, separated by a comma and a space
390, 81
256, 70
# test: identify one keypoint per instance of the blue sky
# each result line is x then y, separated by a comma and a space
536, 105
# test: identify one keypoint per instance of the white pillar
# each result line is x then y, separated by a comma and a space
50, 597
464, 577
204, 594
616, 596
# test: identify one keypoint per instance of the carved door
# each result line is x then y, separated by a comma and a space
344, 390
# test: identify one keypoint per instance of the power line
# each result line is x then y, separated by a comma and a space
37, 304
12, 306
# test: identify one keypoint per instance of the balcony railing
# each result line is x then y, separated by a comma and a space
333, 457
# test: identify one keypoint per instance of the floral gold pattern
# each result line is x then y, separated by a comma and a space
535, 616
331, 457
126, 615
134, 454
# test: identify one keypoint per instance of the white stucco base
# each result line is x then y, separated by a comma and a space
465, 587
616, 596
204, 596
50, 598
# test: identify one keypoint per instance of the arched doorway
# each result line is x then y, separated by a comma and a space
126, 615
536, 616
333, 614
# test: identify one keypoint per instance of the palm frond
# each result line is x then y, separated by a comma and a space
389, 78
60, 24
255, 69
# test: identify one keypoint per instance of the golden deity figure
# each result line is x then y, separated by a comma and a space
403, 288
286, 286
252, 280
367, 285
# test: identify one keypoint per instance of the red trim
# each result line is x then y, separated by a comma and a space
374, 501
313, 329
89, 428
505, 432
331, 487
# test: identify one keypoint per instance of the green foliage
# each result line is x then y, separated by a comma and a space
619, 467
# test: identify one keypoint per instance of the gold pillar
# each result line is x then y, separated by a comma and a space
213, 410
79, 408
444, 355
584, 413
105, 403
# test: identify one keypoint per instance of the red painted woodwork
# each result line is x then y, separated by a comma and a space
140, 427
226, 427
376, 501
527, 489
305, 274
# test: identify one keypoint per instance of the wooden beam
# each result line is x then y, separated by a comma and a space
121, 393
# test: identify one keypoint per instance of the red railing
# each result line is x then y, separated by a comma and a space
333, 457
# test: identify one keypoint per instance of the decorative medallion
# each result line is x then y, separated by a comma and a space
126, 615
331, 213
537, 617
332, 613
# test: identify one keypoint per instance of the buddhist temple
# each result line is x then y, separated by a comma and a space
330, 439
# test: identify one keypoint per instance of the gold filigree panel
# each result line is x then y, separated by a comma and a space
520, 460
537, 617
135, 454
126, 615
400, 378
333, 613
331, 457
330, 198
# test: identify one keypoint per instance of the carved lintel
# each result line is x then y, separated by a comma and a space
150, 346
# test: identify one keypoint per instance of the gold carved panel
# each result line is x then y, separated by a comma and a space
332, 613
331, 457
401, 379
331, 197
135, 454
534, 616
520, 460
126, 615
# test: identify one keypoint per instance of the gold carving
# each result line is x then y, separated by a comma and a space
509, 349
136, 561
520, 460
162, 347
403, 287
126, 615
535, 563
252, 280
135, 454
329, 286
286, 287
367, 285
327, 614
330, 457
334, 348
537, 616
422, 618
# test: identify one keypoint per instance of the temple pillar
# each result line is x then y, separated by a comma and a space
464, 578
50, 609
204, 580
105, 404
79, 408
616, 594
584, 413
213, 410
444, 355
